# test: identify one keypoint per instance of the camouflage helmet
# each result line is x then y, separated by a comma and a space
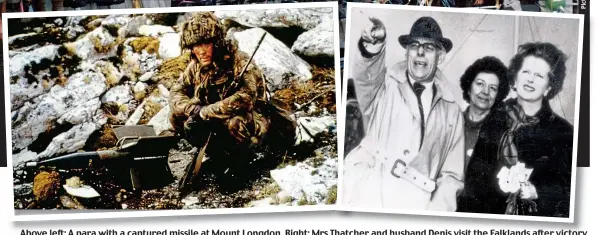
202, 27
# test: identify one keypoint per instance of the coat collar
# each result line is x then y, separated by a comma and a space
545, 114
398, 72
215, 75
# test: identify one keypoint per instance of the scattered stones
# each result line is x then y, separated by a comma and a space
155, 30
116, 21
277, 61
140, 87
23, 189
22, 157
317, 42
96, 45
72, 140
20, 61
74, 182
131, 29
136, 116
310, 127
169, 46
80, 88
112, 74
305, 182
120, 98
160, 121
84, 112
147, 76
120, 94
164, 91
306, 18
124, 67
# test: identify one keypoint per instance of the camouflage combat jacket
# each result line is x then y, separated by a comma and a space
220, 92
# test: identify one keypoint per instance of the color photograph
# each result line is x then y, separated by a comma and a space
191, 109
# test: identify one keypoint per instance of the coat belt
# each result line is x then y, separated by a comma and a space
400, 168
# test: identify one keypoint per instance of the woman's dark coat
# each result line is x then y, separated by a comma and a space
545, 145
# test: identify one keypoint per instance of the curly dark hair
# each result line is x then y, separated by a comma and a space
554, 57
487, 64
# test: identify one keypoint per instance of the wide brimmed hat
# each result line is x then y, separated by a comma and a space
426, 27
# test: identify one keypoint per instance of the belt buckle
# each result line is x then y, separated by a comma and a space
399, 166
400, 170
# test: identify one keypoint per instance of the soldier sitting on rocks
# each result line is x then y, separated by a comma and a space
214, 99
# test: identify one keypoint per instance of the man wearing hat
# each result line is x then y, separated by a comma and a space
215, 99
411, 155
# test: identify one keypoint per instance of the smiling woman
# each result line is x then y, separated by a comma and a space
484, 85
525, 132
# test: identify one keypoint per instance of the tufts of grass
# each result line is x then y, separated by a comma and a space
332, 195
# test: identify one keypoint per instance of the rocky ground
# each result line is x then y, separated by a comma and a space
72, 79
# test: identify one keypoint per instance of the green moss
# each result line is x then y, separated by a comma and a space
332, 195
71, 49
150, 44
271, 189
140, 95
170, 70
285, 200
151, 109
107, 69
303, 201
123, 108
131, 68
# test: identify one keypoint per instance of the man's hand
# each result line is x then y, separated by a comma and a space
373, 35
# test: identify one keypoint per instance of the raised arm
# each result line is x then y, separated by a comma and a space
369, 68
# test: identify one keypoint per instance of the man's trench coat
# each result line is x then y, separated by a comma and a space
430, 176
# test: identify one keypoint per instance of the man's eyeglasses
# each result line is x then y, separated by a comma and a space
428, 47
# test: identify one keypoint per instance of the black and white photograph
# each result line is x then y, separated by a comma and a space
460, 112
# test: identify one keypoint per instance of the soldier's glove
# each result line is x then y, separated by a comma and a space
194, 120
241, 132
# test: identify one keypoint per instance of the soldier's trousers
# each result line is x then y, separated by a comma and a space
269, 125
